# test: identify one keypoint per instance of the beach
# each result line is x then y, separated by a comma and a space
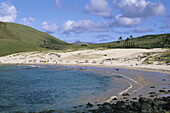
36, 85
125, 58
124, 65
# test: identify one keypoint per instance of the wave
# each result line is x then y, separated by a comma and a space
127, 89
33, 66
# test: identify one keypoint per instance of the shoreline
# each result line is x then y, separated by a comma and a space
100, 66
129, 90
112, 58
117, 73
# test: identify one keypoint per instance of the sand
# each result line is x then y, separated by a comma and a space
112, 58
123, 58
138, 83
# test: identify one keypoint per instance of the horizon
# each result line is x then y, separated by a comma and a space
94, 21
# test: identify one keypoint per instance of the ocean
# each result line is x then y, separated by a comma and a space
39, 88
36, 88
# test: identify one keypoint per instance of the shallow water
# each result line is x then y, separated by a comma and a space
39, 88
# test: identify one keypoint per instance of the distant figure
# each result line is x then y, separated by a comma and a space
77, 62
159, 59
94, 61
57, 64
45, 42
86, 61
102, 62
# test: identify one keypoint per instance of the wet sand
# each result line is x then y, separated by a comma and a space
140, 82
134, 84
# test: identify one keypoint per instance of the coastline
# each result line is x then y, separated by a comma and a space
125, 63
111, 58
133, 80
103, 66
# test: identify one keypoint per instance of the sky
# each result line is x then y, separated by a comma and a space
95, 21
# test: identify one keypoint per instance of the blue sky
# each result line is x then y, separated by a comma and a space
96, 21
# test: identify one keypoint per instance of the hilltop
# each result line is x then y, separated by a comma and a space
80, 43
16, 38
148, 41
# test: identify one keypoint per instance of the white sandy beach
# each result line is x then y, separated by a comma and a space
128, 58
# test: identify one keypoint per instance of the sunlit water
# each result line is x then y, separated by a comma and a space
28, 89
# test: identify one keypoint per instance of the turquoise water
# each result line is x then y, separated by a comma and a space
28, 89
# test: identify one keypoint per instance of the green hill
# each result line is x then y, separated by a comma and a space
148, 41
16, 38
19, 38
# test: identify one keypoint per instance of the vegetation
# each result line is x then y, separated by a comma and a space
148, 41
19, 38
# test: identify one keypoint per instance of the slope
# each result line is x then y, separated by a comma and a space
148, 41
19, 38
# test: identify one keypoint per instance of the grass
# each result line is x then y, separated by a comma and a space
16, 38
148, 41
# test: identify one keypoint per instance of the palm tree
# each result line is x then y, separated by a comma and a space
127, 39
120, 38
131, 36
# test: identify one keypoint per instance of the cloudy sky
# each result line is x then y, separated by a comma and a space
94, 21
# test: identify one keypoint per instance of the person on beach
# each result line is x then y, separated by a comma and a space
159, 59
102, 62
94, 61
57, 64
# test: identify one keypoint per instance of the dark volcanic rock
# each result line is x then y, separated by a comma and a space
114, 99
153, 93
126, 94
163, 79
162, 91
136, 106
143, 105
89, 105
146, 107
168, 91
152, 87
117, 69
120, 105
142, 100
152, 96
134, 98
50, 111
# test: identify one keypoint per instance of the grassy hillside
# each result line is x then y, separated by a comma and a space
148, 41
19, 38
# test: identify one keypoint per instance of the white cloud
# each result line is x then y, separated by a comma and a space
26, 21
84, 25
57, 3
142, 30
49, 27
140, 8
98, 7
8, 12
126, 22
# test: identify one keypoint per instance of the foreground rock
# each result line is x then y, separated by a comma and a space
143, 105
